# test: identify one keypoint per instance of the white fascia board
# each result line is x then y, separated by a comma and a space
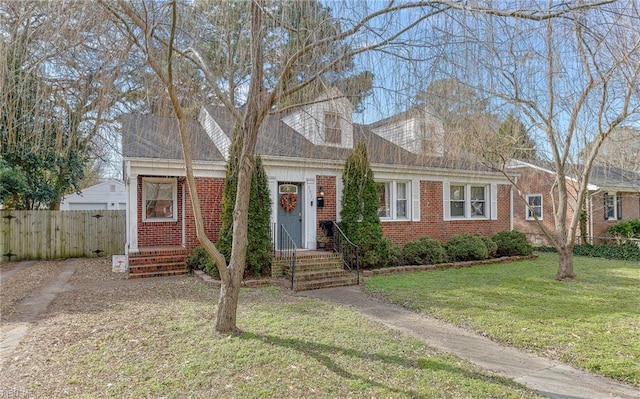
438, 174
173, 167
611, 189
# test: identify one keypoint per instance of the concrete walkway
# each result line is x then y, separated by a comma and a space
550, 378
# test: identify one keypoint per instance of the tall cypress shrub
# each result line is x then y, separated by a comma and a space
259, 249
359, 214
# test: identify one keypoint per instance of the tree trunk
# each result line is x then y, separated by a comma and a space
228, 305
230, 287
565, 264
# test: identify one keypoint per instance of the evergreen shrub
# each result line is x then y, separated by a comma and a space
360, 221
466, 246
199, 259
424, 251
626, 229
512, 243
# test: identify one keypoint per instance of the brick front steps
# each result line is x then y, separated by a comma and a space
157, 262
314, 270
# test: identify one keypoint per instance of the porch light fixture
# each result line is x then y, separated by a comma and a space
320, 197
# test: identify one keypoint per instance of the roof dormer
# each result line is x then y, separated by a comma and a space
415, 130
326, 121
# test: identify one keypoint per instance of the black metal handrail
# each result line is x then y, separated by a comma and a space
288, 248
350, 252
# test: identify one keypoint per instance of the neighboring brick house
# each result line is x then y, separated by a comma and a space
303, 154
613, 195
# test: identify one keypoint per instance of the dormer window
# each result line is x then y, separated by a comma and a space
425, 138
332, 130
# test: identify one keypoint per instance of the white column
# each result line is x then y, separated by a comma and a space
132, 212
310, 213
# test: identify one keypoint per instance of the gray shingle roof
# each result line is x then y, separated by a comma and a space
612, 177
148, 136
602, 176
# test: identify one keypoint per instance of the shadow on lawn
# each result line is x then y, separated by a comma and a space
322, 353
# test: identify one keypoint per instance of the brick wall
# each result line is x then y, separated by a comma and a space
328, 212
533, 181
431, 222
210, 196
630, 210
170, 233
433, 225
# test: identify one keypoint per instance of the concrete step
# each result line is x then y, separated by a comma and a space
325, 283
318, 274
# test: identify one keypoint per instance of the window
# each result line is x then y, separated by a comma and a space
384, 207
425, 138
159, 198
612, 206
478, 202
457, 201
468, 201
401, 200
535, 206
332, 130
393, 200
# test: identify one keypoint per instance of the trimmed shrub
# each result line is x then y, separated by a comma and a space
259, 248
396, 257
512, 243
626, 229
463, 247
374, 250
491, 245
359, 214
199, 259
425, 251
626, 251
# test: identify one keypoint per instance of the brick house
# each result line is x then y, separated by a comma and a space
613, 195
303, 152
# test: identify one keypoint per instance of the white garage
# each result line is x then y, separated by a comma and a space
107, 195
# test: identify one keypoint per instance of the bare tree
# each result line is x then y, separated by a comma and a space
574, 80
60, 84
279, 70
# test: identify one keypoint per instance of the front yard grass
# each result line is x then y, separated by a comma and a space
136, 339
592, 322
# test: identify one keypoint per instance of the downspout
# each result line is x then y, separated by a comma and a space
511, 204
590, 207
184, 218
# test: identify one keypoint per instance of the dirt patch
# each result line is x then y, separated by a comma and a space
90, 301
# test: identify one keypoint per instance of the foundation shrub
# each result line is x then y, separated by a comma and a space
199, 259
491, 245
464, 247
626, 229
424, 251
512, 243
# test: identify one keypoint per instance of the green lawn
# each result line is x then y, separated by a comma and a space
592, 322
293, 347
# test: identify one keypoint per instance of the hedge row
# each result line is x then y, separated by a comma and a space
462, 247
627, 251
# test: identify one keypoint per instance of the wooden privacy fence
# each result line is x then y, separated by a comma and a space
60, 234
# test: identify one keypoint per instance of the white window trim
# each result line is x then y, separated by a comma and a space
174, 183
527, 212
393, 200
490, 201
616, 198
